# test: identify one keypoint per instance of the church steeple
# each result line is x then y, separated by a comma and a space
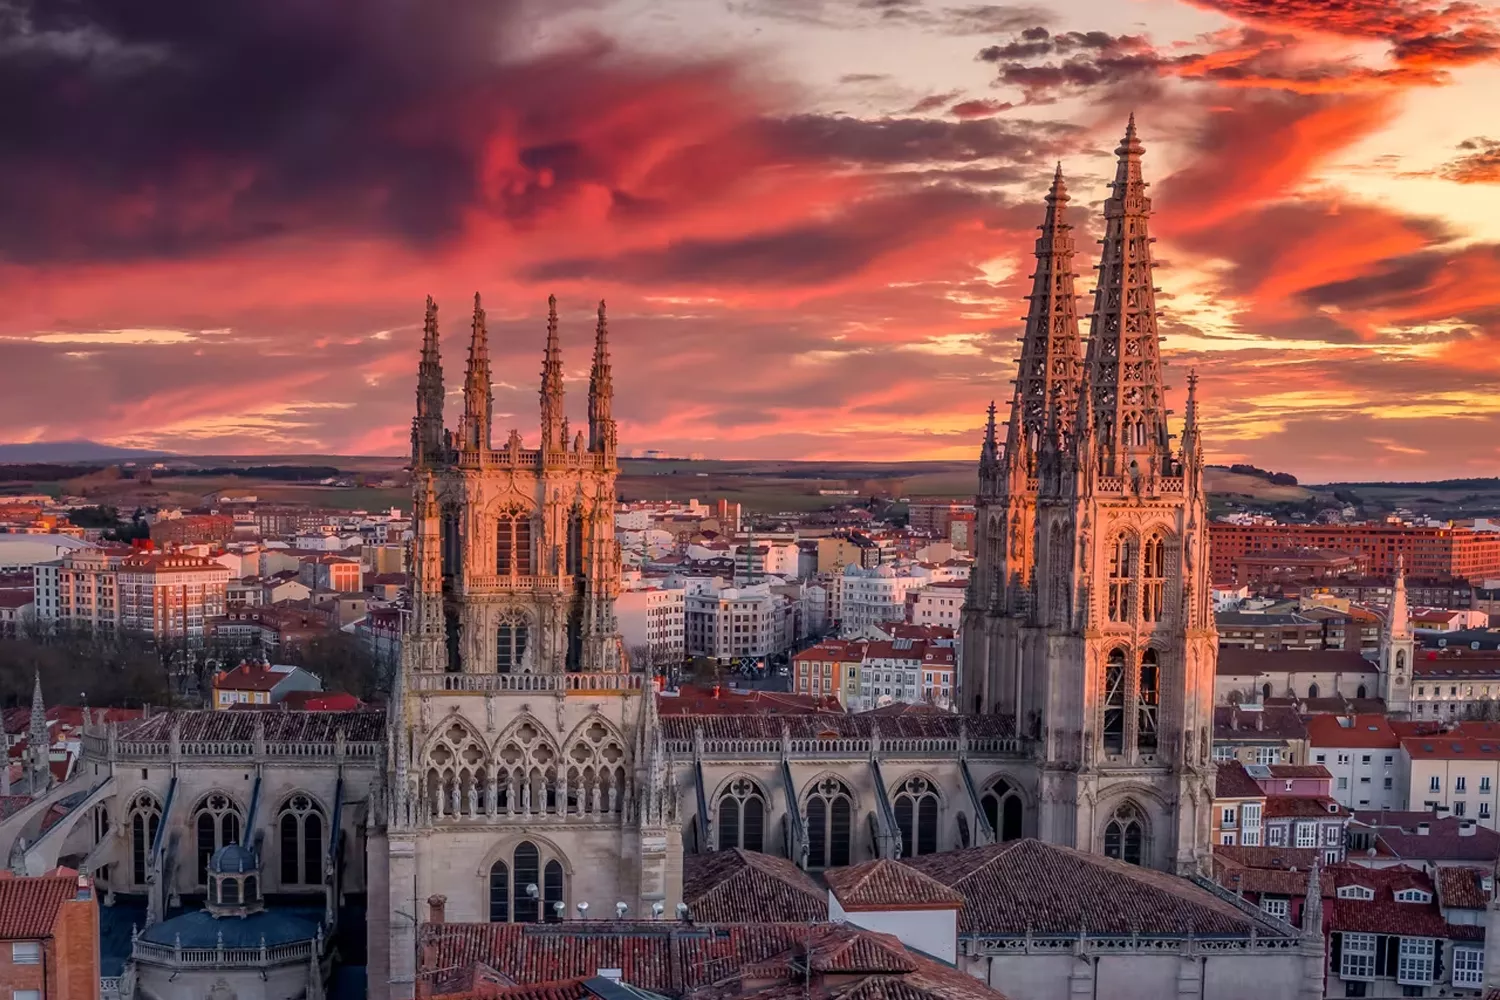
427, 427
554, 419
989, 453
479, 397
38, 740
1399, 625
1124, 361
1051, 357
601, 392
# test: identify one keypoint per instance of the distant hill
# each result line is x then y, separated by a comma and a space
72, 451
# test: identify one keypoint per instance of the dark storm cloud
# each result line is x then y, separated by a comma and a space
888, 141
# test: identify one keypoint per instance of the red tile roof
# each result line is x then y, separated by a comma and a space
1236, 661
738, 886
249, 677
889, 885
1232, 781
1452, 747
1028, 886
1277, 870
1383, 915
1363, 732
1463, 888
1302, 806
29, 906
366, 725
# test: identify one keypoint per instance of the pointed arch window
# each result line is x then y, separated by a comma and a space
145, 818
917, 817
527, 887
511, 636
1062, 572
450, 544
1125, 835
457, 775
513, 544
1121, 568
1114, 702
217, 824
742, 816
1003, 808
830, 822
1312, 690
1148, 697
300, 827
1153, 578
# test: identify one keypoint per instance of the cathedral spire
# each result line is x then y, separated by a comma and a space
40, 742
552, 385
479, 397
601, 391
1192, 436
1051, 357
427, 428
1400, 618
989, 452
1124, 360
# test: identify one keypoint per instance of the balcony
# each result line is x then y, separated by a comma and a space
563, 683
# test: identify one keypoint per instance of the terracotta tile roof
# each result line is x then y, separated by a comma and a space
250, 677
1371, 732
743, 886
1232, 781
1236, 661
889, 885
29, 906
1383, 915
1276, 870
833, 726
367, 725
1302, 807
1026, 885
1299, 771
1450, 746
1463, 888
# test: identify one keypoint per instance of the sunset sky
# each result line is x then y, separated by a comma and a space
812, 219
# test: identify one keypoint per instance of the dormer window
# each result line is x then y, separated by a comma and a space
1413, 896
1356, 892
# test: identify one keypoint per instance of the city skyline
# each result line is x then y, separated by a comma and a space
812, 221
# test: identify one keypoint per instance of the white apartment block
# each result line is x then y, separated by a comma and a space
874, 596
737, 622
1363, 753
654, 618
168, 595
939, 604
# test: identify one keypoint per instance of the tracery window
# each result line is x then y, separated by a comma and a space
742, 816
513, 544
1114, 702
1125, 835
1147, 697
596, 772
1003, 808
457, 774
1121, 555
917, 817
145, 818
526, 773
217, 823
528, 888
1062, 572
300, 826
830, 821
1153, 578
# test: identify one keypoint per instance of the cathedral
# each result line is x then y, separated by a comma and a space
523, 773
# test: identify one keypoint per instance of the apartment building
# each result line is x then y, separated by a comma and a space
1429, 553
832, 667
730, 623
654, 619
337, 573
1454, 773
169, 595
938, 604
875, 596
1363, 754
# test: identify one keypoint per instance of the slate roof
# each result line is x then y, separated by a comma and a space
768, 727
1234, 660
1397, 836
201, 929
1027, 886
280, 727
29, 906
743, 886
1233, 724
889, 885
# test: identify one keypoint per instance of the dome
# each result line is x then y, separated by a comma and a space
233, 859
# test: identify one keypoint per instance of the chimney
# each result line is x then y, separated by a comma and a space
1423, 829
437, 907
85, 888
1467, 828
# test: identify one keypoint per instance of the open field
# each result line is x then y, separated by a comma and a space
763, 486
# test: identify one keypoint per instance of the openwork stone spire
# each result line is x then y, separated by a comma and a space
1051, 358
40, 743
989, 452
479, 398
427, 428
553, 417
601, 391
1124, 362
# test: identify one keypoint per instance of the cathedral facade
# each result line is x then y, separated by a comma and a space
1088, 617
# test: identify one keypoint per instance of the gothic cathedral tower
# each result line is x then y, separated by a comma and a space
1089, 617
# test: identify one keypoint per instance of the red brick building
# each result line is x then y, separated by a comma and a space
49, 937
193, 529
1430, 553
